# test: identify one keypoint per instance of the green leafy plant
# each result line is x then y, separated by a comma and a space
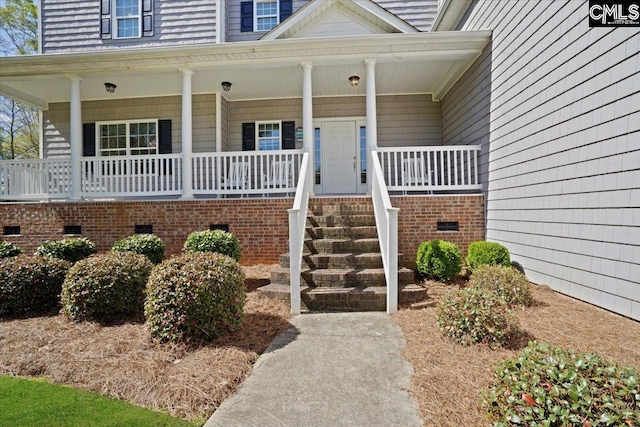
472, 316
106, 287
197, 296
218, 241
30, 284
148, 245
487, 253
507, 282
72, 250
8, 249
439, 260
551, 386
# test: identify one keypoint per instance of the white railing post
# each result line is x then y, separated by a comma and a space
297, 227
392, 259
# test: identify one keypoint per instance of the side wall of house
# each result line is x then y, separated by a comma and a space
402, 119
56, 120
69, 26
556, 107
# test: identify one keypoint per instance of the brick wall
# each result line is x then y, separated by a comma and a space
261, 225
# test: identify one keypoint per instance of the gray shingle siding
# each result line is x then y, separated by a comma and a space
560, 145
69, 26
419, 13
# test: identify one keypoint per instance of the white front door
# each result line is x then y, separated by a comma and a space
339, 157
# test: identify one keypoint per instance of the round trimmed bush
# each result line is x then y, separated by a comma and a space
195, 296
72, 250
439, 260
8, 249
552, 386
487, 253
472, 316
106, 287
148, 245
218, 241
30, 284
507, 282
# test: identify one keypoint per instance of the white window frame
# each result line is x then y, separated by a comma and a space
128, 148
266, 122
114, 20
255, 14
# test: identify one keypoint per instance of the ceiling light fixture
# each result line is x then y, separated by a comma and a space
110, 87
354, 80
226, 86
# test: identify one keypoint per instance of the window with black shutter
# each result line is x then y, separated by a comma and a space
125, 19
263, 15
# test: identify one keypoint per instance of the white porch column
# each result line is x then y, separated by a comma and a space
372, 118
76, 137
218, 122
307, 119
187, 134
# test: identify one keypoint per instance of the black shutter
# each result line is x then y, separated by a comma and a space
246, 16
248, 136
147, 18
105, 19
164, 137
88, 139
288, 135
286, 9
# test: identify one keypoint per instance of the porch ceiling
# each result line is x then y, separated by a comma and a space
405, 63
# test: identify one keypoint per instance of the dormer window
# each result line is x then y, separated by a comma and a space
126, 19
263, 15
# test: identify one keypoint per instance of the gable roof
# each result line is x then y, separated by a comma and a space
356, 14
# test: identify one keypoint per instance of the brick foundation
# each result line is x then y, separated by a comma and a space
261, 224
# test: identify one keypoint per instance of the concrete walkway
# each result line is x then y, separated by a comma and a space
333, 369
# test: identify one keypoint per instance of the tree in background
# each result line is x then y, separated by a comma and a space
19, 136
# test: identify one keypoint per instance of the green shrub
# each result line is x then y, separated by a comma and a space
8, 249
439, 260
148, 245
30, 284
106, 287
218, 241
487, 253
510, 285
72, 250
195, 296
472, 316
551, 386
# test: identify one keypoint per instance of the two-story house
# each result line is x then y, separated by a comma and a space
510, 120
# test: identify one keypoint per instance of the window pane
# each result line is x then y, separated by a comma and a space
363, 155
127, 8
266, 15
317, 160
128, 27
269, 136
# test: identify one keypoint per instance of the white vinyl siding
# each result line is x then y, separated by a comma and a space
556, 107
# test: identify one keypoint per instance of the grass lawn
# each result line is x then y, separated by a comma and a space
448, 377
32, 403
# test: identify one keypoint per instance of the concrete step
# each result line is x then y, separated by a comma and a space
341, 246
341, 220
341, 232
346, 299
348, 260
352, 208
342, 278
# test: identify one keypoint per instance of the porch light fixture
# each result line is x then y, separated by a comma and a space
354, 80
110, 87
226, 86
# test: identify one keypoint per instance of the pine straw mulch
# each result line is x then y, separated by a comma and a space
123, 361
448, 378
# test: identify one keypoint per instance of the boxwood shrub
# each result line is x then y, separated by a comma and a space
551, 386
472, 316
197, 296
439, 260
72, 250
106, 287
507, 282
148, 245
30, 284
487, 253
218, 241
8, 249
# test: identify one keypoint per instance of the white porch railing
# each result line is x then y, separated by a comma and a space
149, 175
34, 179
242, 173
387, 225
439, 168
297, 227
